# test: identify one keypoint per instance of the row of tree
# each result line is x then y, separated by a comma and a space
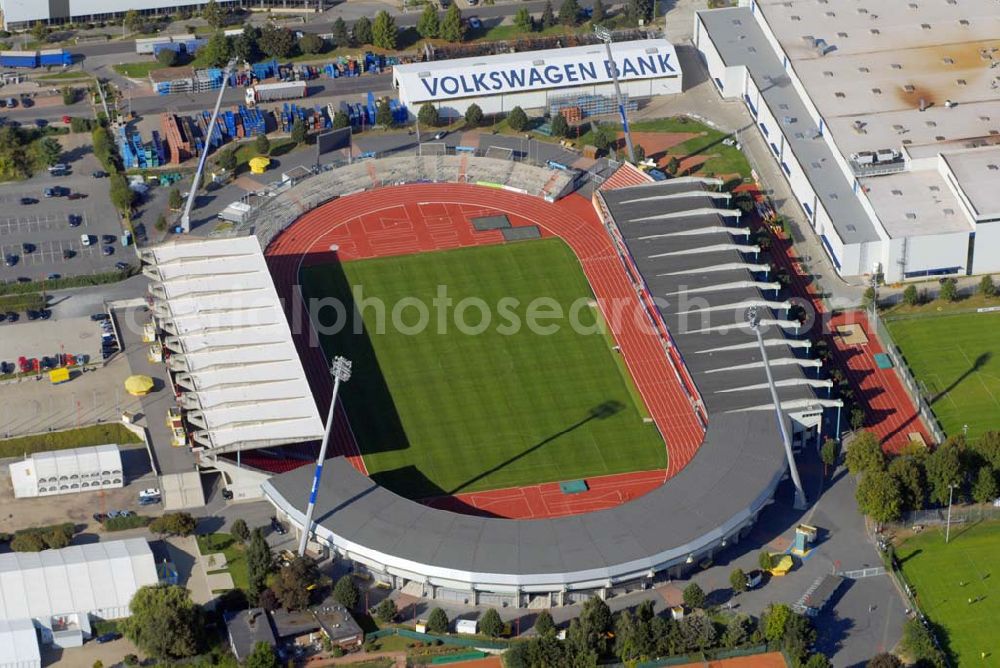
966, 469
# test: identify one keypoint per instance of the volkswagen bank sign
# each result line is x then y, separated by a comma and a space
534, 70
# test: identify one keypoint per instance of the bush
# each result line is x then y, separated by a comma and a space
77, 124
910, 295
491, 624
240, 530
174, 524
27, 542
62, 440
124, 523
437, 622
987, 287
386, 611
473, 116
560, 128
167, 57
37, 539
949, 290
517, 119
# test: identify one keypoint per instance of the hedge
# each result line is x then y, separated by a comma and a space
21, 302
97, 434
67, 282
123, 523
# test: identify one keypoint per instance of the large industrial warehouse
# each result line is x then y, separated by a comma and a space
534, 79
886, 124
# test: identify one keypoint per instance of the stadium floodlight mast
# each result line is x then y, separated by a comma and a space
341, 371
753, 319
186, 216
604, 35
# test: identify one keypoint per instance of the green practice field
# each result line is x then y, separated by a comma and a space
937, 571
444, 412
957, 357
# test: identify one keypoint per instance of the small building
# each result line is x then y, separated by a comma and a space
246, 628
304, 627
67, 471
19, 644
469, 626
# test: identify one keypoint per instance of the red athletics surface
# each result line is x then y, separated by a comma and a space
418, 218
889, 410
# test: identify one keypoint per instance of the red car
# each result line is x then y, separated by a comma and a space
77, 195
67, 120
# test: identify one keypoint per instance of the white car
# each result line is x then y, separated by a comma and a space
85, 239
151, 493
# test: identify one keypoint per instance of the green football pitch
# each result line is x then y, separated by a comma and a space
957, 358
446, 411
946, 576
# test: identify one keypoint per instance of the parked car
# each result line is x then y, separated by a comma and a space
68, 254
99, 174
76, 195
12, 316
32, 314
67, 120
149, 496
53, 277
108, 637
108, 250
41, 122
27, 248
278, 527
98, 317
26, 102
74, 220
84, 239
475, 23
121, 266
227, 494
10, 259
108, 238
45, 314
100, 517
25, 201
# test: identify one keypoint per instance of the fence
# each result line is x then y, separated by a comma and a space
936, 516
709, 655
903, 371
458, 641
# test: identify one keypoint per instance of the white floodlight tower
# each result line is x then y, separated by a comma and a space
341, 371
800, 496
186, 216
604, 35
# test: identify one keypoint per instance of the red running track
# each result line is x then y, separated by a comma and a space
419, 218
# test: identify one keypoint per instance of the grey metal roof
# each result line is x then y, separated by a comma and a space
740, 41
732, 476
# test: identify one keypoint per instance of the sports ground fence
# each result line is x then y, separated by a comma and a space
903, 371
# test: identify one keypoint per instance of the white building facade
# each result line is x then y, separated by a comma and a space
531, 79
68, 471
883, 151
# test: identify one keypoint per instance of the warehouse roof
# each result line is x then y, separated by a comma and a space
75, 579
732, 476
977, 173
740, 41
19, 643
232, 348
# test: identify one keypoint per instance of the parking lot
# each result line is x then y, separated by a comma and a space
43, 237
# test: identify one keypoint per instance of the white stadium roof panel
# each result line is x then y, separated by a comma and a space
230, 340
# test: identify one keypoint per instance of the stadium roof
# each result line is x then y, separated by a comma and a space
19, 644
75, 579
731, 477
232, 348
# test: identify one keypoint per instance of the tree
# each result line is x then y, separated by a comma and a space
262, 656
452, 28
174, 200
428, 25
773, 621
569, 12
878, 496
311, 43
340, 36
293, 582
523, 20
384, 31
544, 626
765, 560
985, 488
910, 295
490, 624
214, 15
737, 631
857, 419
944, 470
346, 592
341, 119
98, 664
694, 596
259, 562
588, 633
161, 223
868, 297
120, 194
132, 21
640, 153
361, 33
884, 660
473, 116
227, 161
738, 580
262, 145
560, 128
864, 454
918, 642
949, 290
174, 524
829, 452
673, 165
437, 621
218, 50
39, 31
240, 530
167, 57
817, 661
386, 610
640, 10
165, 622
56, 539
517, 119
428, 115
276, 42
986, 286
597, 13
697, 632
548, 18
49, 151
908, 473
299, 131
245, 47
383, 114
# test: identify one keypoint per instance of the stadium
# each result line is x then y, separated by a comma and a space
625, 458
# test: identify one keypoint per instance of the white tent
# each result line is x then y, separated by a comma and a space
67, 471
97, 579
19, 644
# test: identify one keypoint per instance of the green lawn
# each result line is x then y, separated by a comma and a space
137, 70
443, 413
98, 434
937, 572
236, 562
957, 357
66, 75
